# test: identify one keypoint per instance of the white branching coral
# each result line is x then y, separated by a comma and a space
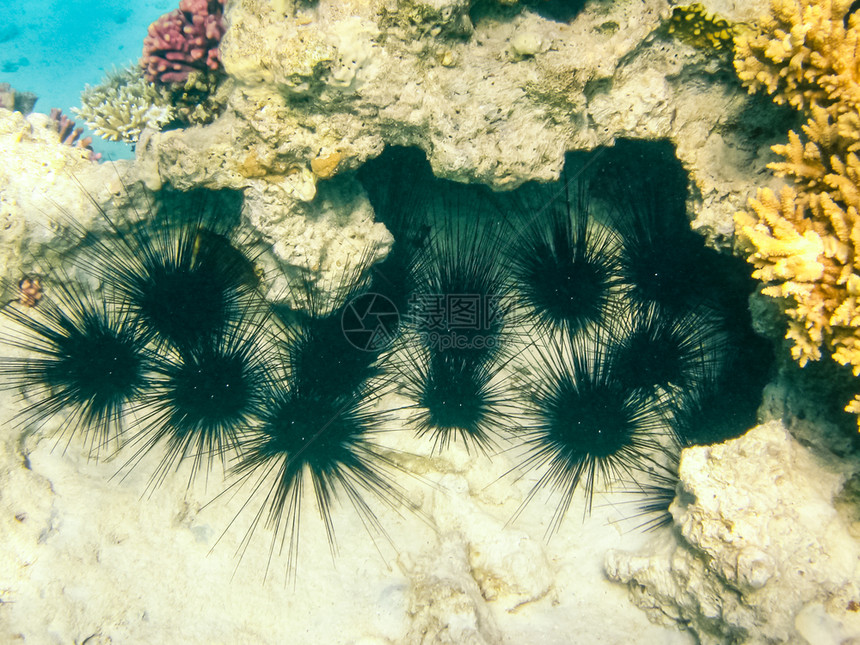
124, 104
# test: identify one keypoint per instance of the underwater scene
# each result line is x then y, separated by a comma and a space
386, 322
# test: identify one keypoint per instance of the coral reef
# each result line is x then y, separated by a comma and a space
802, 54
493, 95
41, 182
124, 104
809, 261
314, 90
176, 82
64, 514
763, 555
804, 241
200, 99
183, 41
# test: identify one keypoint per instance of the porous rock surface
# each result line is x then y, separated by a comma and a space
763, 555
49, 190
46, 187
494, 95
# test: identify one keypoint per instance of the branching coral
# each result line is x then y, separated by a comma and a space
71, 135
804, 54
805, 242
123, 105
810, 261
177, 79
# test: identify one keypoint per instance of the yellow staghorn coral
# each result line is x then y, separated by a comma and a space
812, 162
803, 54
805, 243
810, 262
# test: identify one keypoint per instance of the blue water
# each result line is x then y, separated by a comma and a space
55, 47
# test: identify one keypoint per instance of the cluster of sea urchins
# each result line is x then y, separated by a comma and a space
636, 337
178, 351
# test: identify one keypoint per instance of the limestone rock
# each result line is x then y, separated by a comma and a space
493, 96
44, 187
445, 603
763, 556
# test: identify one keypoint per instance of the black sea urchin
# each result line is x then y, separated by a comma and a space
587, 425
653, 492
178, 272
334, 352
86, 360
456, 399
318, 424
462, 292
662, 260
565, 264
326, 442
458, 341
205, 398
667, 350
318, 427
726, 404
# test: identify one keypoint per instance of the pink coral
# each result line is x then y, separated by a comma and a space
70, 135
184, 40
